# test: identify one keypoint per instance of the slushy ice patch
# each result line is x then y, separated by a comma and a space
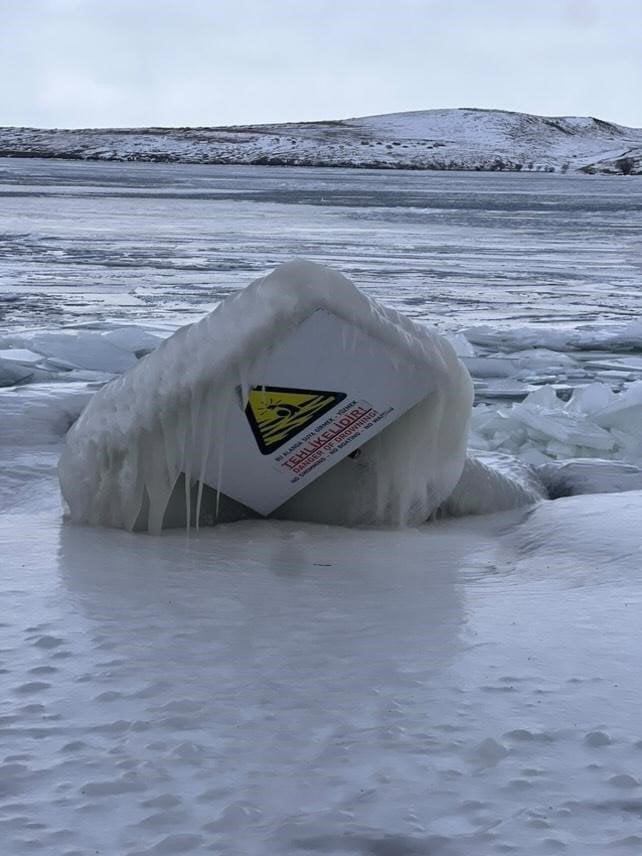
169, 431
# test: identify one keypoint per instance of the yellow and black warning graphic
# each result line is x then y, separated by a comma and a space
277, 414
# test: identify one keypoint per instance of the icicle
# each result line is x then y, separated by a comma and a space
207, 440
222, 421
187, 462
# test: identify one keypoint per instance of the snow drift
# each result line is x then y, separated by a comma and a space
137, 455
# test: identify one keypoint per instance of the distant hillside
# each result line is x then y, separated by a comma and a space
460, 139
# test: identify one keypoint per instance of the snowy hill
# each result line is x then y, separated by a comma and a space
463, 139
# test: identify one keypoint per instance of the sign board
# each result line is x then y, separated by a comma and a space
314, 398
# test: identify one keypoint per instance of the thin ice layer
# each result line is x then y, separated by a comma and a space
126, 453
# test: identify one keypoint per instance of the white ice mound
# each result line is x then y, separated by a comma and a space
493, 482
137, 456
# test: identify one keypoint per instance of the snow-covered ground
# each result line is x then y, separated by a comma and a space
424, 139
467, 686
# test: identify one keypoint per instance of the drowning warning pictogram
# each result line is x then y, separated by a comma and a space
277, 414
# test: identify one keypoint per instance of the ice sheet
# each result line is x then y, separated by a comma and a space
268, 688
593, 422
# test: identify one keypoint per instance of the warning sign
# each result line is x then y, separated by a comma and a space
277, 414
315, 397
329, 437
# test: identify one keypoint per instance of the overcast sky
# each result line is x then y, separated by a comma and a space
75, 63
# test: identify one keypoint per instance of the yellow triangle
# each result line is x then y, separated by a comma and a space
277, 414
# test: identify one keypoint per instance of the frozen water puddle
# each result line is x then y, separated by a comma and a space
467, 687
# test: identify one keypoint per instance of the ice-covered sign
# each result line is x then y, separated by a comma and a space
313, 399
264, 399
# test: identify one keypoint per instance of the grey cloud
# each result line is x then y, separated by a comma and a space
194, 62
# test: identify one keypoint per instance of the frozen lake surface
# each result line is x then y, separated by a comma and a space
466, 687
154, 241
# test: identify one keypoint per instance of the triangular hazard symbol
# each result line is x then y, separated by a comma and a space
277, 414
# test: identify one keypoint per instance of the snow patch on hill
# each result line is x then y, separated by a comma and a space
454, 139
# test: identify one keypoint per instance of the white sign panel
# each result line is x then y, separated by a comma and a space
315, 398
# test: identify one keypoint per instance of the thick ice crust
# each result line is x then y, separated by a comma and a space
125, 454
